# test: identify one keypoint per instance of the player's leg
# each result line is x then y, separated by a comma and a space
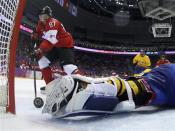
121, 93
162, 81
44, 64
66, 58
67, 61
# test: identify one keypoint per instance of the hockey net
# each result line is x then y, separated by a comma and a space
10, 16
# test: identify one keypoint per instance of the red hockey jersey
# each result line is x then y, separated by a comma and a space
160, 62
54, 32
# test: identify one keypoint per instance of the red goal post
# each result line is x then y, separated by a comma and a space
11, 12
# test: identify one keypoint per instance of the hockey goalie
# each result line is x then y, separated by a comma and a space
78, 93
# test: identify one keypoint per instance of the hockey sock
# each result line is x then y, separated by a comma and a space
47, 74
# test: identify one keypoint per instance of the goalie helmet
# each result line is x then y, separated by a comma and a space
46, 10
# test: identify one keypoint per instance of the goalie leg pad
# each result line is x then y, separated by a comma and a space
59, 93
88, 101
78, 101
101, 103
99, 91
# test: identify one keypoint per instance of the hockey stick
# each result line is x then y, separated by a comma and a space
34, 77
38, 101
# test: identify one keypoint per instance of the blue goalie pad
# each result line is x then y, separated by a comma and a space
101, 103
96, 105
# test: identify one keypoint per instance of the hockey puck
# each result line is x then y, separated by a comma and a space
38, 102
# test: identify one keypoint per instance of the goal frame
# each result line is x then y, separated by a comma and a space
12, 57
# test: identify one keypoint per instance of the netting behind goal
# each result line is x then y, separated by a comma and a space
10, 16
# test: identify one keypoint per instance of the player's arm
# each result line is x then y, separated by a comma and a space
135, 60
167, 61
148, 62
37, 32
44, 48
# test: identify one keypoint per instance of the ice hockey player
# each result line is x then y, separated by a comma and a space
141, 62
56, 44
162, 60
80, 93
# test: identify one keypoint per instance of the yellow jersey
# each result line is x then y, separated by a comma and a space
142, 61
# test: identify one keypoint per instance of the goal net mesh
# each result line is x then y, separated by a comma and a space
8, 9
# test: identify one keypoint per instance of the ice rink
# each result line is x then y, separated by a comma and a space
28, 118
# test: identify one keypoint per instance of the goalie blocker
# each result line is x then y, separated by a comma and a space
112, 94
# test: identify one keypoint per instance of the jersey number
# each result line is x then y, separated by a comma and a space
52, 24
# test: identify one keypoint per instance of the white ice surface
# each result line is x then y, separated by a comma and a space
28, 118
